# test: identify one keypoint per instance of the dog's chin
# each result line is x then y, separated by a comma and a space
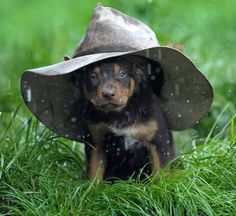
109, 107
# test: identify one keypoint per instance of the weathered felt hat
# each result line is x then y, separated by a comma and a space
54, 99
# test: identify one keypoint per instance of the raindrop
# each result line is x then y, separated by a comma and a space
101, 161
159, 54
179, 115
73, 119
177, 68
181, 80
176, 89
28, 94
153, 77
65, 105
187, 101
46, 112
147, 53
149, 69
39, 158
172, 94
42, 101
127, 113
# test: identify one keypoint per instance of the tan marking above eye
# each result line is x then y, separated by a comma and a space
116, 68
96, 70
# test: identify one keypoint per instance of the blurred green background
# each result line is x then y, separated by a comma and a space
38, 33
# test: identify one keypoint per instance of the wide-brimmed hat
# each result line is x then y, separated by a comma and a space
54, 98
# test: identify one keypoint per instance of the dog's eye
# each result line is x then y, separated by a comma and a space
93, 76
122, 74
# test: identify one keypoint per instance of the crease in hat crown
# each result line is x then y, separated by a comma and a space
111, 31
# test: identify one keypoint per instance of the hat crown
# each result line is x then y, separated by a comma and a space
112, 31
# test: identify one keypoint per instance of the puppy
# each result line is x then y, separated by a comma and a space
127, 129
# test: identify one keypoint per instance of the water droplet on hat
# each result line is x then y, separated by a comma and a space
28, 95
153, 77
73, 119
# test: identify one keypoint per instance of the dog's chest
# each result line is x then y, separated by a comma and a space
135, 134
139, 131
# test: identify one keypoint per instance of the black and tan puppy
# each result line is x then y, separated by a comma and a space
128, 131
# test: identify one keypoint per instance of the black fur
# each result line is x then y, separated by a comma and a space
142, 106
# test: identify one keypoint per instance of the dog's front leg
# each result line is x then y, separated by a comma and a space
96, 163
96, 159
154, 157
161, 150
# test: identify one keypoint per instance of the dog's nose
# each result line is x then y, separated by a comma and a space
108, 93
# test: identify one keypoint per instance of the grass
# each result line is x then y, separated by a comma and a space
42, 173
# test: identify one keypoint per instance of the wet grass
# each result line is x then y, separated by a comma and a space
42, 174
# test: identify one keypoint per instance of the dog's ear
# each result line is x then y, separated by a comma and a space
140, 76
155, 77
150, 73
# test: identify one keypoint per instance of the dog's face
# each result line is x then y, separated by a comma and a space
108, 85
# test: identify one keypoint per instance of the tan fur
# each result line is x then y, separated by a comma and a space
154, 159
96, 165
132, 87
145, 131
116, 68
96, 70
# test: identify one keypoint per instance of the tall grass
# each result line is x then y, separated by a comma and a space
41, 174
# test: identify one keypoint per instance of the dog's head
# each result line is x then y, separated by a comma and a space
109, 84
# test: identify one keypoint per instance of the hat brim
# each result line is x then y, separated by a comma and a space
51, 95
